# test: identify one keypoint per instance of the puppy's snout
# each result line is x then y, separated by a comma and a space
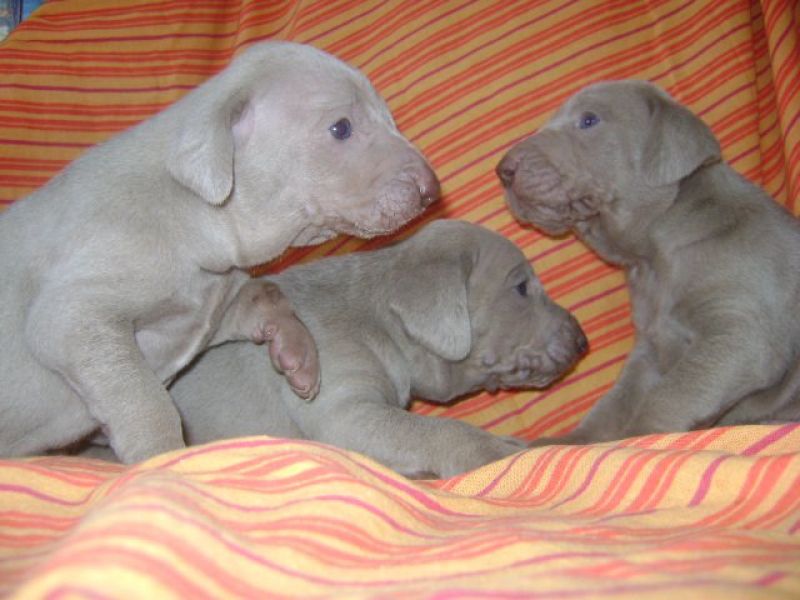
428, 184
507, 169
569, 343
581, 341
574, 338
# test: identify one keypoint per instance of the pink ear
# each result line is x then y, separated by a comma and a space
243, 124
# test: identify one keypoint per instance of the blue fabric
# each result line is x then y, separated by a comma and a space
13, 12
28, 6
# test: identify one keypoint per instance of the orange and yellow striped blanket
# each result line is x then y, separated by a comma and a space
711, 514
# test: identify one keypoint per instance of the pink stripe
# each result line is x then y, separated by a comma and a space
726, 99
302, 501
420, 27
795, 528
396, 483
557, 248
44, 144
222, 536
501, 37
631, 590
500, 477
26, 491
770, 578
591, 49
589, 477
705, 480
596, 297
739, 157
791, 124
503, 147
132, 38
782, 38
770, 439
315, 38
703, 50
73, 591
127, 90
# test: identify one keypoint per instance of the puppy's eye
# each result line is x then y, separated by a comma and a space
341, 130
587, 120
522, 288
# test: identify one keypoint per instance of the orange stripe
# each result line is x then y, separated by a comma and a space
561, 86
562, 414
453, 91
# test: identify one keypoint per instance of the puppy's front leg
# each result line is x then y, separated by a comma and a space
261, 313
712, 375
414, 445
98, 357
727, 363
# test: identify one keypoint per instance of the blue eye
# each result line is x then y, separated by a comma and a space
341, 130
588, 119
522, 288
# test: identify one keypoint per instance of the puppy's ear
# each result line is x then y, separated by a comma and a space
201, 156
677, 141
431, 302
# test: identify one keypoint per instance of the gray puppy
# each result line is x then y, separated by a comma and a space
451, 310
119, 271
712, 263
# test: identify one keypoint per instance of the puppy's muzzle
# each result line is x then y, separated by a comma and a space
567, 345
402, 199
538, 366
535, 189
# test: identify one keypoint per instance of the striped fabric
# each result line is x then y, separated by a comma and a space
710, 514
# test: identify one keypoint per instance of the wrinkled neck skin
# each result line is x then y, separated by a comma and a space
222, 239
247, 239
622, 236
443, 380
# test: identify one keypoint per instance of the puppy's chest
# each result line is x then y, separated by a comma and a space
657, 315
181, 326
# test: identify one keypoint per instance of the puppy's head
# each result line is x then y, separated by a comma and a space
605, 152
288, 128
470, 297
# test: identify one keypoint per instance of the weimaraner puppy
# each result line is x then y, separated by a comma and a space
712, 263
451, 310
128, 264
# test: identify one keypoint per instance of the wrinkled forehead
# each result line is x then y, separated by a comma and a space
608, 98
331, 90
502, 258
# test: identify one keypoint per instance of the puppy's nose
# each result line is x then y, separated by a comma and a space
506, 169
429, 188
581, 343
575, 337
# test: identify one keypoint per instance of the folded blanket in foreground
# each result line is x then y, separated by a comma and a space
709, 514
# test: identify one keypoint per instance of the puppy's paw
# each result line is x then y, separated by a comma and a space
263, 314
294, 353
485, 449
